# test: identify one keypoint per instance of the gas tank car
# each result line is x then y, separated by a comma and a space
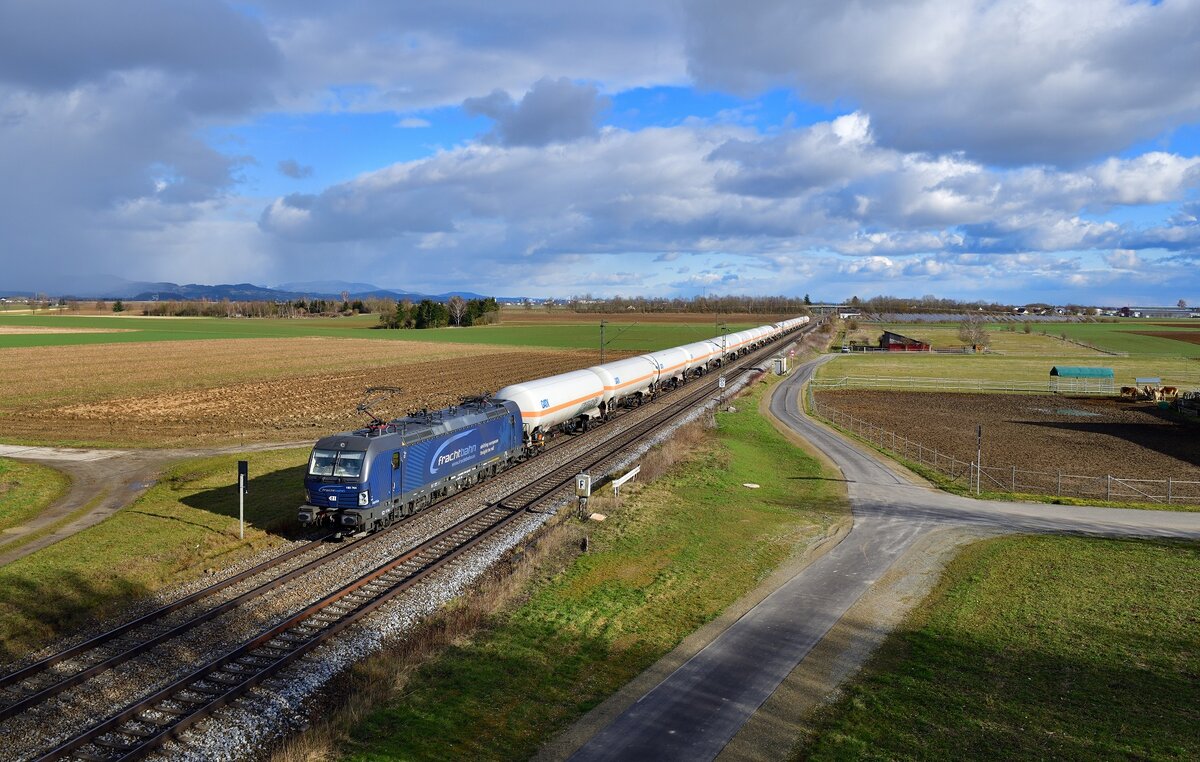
566, 402
628, 382
672, 365
364, 480
704, 355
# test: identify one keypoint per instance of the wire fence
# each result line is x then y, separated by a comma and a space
1059, 385
1009, 478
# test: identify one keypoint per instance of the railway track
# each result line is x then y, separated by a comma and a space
143, 725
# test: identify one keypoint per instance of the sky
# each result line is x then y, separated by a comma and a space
990, 149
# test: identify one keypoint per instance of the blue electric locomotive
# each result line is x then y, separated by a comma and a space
364, 480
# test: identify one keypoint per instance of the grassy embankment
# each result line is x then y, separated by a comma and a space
26, 489
626, 333
675, 554
1035, 648
178, 529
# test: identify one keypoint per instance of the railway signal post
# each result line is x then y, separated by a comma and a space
243, 475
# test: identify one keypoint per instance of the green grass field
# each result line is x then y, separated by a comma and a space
568, 335
26, 489
671, 559
1029, 357
1120, 336
1035, 648
180, 527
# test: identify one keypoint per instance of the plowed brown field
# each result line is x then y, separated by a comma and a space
1191, 337
182, 393
1088, 436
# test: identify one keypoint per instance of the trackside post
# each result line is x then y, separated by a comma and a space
243, 475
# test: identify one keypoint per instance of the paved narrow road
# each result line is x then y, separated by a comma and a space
694, 712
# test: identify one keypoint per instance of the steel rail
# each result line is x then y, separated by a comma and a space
42, 665
278, 646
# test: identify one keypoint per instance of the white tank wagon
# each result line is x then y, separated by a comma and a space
738, 343
566, 401
705, 356
672, 364
758, 336
628, 381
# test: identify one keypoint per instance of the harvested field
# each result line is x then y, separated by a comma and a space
174, 393
1087, 436
1191, 337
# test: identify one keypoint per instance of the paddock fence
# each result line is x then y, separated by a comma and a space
1100, 386
1009, 478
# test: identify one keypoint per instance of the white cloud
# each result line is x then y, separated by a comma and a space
1124, 259
1009, 82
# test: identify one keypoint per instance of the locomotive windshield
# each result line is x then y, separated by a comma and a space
336, 463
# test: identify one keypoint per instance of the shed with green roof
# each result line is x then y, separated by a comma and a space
1068, 378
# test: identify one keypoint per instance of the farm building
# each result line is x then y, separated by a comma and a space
894, 342
1064, 378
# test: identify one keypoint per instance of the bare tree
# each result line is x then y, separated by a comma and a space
1182, 304
458, 307
972, 331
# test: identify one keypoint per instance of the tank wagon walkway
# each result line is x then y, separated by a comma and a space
695, 712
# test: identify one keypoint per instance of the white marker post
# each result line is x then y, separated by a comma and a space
978, 458
583, 490
243, 475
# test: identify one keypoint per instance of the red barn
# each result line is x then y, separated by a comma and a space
894, 342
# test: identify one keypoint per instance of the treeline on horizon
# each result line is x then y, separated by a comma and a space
265, 309
430, 314
753, 305
457, 311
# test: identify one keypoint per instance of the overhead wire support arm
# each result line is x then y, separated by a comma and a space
604, 343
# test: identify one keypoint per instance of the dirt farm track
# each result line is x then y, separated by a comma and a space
1088, 436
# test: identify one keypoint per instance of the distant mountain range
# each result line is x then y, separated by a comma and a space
118, 288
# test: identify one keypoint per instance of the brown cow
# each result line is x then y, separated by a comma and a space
1129, 391
1169, 391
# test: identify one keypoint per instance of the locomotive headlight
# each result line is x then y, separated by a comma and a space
364, 497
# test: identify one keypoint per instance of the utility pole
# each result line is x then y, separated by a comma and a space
602, 324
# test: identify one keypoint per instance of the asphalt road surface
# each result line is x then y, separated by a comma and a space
694, 712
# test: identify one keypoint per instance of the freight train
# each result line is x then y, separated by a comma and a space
364, 480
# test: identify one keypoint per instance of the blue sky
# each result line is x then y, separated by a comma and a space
1015, 151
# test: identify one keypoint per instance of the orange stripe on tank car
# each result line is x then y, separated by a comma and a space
556, 408
627, 383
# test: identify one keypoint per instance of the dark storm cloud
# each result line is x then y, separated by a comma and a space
102, 108
553, 111
218, 59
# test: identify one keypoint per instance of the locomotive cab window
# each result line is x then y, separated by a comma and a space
335, 463
322, 462
349, 464
396, 459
